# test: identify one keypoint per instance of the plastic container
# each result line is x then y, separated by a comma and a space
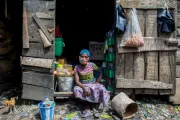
59, 44
65, 84
110, 88
110, 57
46, 108
110, 73
111, 41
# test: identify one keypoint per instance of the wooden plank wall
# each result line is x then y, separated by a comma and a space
37, 60
156, 60
178, 38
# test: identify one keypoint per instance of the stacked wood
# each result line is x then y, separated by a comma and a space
124, 106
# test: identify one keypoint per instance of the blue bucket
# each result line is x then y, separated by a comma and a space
47, 113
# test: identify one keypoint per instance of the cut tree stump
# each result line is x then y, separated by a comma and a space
124, 106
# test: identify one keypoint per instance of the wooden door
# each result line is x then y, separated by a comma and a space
37, 58
150, 69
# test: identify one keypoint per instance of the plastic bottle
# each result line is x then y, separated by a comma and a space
46, 102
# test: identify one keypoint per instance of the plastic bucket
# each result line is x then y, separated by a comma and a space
47, 113
59, 44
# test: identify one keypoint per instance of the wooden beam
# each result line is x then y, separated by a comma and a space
146, 4
38, 62
63, 94
38, 79
171, 42
150, 44
132, 83
31, 92
25, 31
36, 69
42, 15
45, 31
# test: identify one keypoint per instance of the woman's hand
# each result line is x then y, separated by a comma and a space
86, 91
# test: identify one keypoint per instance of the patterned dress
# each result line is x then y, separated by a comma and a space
98, 91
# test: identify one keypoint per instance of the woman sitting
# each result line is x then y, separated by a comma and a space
88, 88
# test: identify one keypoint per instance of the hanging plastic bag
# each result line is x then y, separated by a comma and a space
132, 36
165, 21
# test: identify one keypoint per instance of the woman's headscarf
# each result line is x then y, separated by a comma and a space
85, 51
84, 61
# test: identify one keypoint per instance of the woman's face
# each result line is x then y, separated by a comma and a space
83, 59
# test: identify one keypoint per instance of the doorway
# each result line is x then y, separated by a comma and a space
81, 22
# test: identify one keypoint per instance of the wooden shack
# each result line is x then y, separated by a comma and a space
151, 69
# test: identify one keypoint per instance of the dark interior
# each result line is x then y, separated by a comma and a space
13, 26
83, 21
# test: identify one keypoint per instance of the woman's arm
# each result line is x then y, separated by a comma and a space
78, 82
100, 75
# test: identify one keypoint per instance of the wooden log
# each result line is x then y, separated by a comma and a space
26, 33
36, 93
148, 84
38, 79
124, 106
119, 65
40, 24
44, 39
36, 50
166, 69
146, 4
128, 67
151, 23
150, 44
38, 62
